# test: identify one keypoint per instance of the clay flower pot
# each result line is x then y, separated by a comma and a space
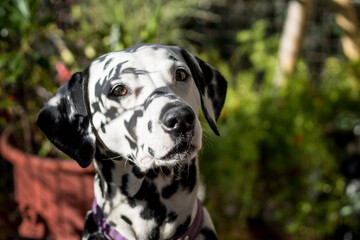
53, 195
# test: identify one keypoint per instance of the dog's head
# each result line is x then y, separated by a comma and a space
140, 104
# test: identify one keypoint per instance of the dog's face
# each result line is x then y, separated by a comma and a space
143, 105
140, 104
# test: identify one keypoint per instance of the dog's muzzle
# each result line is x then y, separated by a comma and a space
178, 120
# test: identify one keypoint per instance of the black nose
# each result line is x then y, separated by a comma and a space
178, 119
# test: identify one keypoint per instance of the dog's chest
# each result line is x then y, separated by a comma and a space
147, 204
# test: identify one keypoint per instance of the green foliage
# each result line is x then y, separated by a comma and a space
276, 160
121, 24
23, 26
24, 67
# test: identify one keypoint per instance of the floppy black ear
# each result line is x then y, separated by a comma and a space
212, 87
65, 121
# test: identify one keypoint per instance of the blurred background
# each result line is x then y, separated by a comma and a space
288, 163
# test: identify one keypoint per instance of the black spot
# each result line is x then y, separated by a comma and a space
133, 48
171, 217
151, 151
96, 106
124, 190
155, 233
152, 174
147, 213
150, 126
154, 208
103, 127
124, 184
107, 63
91, 230
208, 234
131, 124
111, 70
137, 172
101, 58
100, 87
131, 202
183, 227
141, 194
112, 113
126, 219
111, 223
172, 58
138, 91
118, 70
188, 177
131, 143
166, 171
106, 170
169, 190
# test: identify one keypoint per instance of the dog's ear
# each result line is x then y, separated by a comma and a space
65, 121
212, 87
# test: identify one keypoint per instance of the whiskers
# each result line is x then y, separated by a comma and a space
116, 158
207, 136
130, 158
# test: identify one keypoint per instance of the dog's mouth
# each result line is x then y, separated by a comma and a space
181, 151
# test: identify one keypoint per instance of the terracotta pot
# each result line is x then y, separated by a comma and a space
53, 195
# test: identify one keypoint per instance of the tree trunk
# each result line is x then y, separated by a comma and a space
347, 20
292, 38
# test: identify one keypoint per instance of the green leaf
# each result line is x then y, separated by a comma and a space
16, 67
45, 148
23, 8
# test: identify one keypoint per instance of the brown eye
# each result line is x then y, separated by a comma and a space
119, 91
181, 75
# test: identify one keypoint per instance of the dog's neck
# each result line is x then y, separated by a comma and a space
158, 204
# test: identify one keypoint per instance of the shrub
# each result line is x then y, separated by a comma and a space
277, 160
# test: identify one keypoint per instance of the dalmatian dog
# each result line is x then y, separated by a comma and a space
134, 114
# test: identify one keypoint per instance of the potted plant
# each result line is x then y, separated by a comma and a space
53, 194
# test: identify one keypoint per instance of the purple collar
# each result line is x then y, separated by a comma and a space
111, 234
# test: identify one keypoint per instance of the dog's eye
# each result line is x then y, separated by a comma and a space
181, 75
118, 91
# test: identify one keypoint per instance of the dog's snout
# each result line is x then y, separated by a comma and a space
178, 119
